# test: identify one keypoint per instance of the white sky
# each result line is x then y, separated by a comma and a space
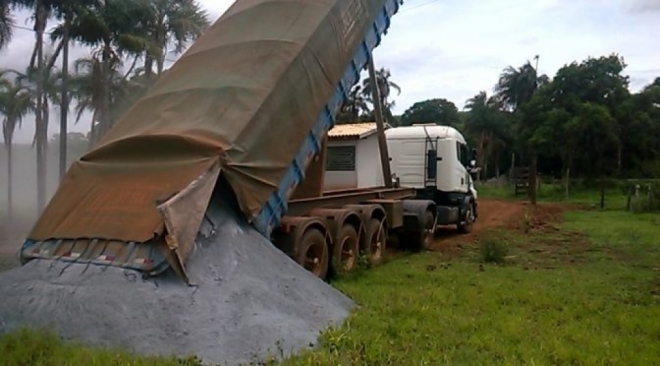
454, 48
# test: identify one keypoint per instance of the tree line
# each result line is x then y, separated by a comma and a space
583, 122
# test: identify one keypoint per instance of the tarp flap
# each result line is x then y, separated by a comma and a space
115, 201
246, 94
184, 213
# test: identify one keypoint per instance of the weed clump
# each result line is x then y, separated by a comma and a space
493, 248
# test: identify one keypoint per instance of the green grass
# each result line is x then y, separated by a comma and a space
588, 293
541, 308
32, 347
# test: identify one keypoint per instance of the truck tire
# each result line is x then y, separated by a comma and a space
465, 226
313, 253
346, 249
375, 242
421, 236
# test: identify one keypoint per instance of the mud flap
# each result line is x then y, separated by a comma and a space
183, 214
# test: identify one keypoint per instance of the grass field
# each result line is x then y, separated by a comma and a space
588, 293
578, 287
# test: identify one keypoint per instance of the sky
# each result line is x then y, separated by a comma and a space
455, 48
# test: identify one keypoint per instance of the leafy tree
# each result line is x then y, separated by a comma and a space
515, 88
639, 124
545, 125
595, 80
595, 132
655, 83
490, 126
439, 111
638, 132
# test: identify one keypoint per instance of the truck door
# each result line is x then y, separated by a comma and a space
462, 175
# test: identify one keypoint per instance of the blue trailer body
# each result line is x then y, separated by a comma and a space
276, 206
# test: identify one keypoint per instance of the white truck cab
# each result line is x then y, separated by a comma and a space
436, 161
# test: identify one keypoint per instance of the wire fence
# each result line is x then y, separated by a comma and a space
634, 195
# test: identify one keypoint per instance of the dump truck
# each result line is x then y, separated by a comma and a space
240, 119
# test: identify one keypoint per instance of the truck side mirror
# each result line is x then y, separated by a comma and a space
474, 154
431, 164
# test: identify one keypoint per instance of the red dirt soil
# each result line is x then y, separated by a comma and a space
499, 214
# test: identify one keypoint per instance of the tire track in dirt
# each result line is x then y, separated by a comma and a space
492, 214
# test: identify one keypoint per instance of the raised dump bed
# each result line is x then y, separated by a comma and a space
248, 104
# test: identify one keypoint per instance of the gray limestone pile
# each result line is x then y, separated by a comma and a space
248, 300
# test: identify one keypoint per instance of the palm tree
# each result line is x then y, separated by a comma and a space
87, 88
515, 88
6, 24
49, 80
482, 100
41, 12
67, 11
385, 86
15, 103
173, 23
353, 106
116, 29
42, 85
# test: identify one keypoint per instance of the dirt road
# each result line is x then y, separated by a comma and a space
494, 214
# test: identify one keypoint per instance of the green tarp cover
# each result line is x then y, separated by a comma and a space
241, 99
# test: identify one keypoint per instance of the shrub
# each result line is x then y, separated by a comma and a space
493, 248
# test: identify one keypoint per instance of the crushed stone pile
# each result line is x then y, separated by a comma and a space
249, 301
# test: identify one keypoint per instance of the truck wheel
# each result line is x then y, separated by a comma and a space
465, 226
375, 241
313, 253
346, 249
421, 236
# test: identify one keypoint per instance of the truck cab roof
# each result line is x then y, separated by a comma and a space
424, 131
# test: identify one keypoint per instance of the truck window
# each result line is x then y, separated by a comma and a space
340, 158
459, 152
462, 153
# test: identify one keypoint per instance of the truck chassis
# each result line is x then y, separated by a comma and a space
329, 234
